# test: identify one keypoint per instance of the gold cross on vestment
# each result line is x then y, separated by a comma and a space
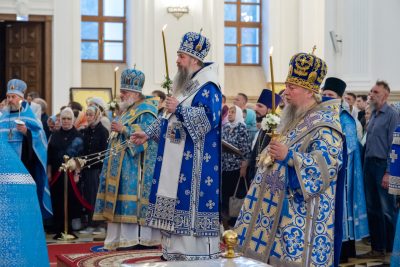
303, 60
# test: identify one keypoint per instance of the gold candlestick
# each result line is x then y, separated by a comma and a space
115, 82
271, 67
165, 52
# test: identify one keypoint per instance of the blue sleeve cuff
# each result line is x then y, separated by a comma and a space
178, 112
289, 156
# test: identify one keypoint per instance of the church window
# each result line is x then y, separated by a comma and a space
103, 29
242, 32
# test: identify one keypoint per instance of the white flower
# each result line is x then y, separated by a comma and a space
112, 105
270, 121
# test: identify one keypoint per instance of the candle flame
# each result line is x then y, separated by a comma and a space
165, 26
116, 68
271, 50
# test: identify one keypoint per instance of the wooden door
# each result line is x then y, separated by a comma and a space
24, 56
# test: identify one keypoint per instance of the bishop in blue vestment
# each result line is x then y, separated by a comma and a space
24, 132
394, 188
184, 199
127, 172
288, 216
22, 238
355, 220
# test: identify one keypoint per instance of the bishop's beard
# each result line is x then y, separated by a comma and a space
181, 81
124, 105
11, 107
289, 115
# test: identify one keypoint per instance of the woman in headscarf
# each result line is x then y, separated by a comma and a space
95, 140
101, 104
67, 141
234, 132
251, 123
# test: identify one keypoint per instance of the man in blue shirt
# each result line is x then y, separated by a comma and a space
381, 206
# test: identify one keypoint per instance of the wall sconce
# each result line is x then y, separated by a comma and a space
178, 11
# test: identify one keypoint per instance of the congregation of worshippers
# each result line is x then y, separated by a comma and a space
300, 175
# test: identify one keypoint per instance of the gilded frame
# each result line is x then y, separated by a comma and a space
80, 94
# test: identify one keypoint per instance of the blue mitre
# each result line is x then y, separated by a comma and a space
132, 80
266, 98
16, 86
194, 44
307, 71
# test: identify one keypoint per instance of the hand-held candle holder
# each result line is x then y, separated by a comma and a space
19, 121
266, 160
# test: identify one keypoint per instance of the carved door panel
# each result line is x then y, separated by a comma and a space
24, 56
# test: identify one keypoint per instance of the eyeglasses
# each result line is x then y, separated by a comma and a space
66, 118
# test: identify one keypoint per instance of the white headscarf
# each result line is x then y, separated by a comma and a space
67, 112
238, 117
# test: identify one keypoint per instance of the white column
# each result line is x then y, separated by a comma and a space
66, 50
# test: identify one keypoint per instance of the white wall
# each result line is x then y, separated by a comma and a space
66, 50
368, 30
294, 26
370, 37
385, 40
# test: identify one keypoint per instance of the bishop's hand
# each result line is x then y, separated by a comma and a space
22, 128
277, 150
139, 138
116, 127
171, 103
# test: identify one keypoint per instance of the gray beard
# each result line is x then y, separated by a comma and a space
372, 106
124, 105
181, 81
289, 115
10, 108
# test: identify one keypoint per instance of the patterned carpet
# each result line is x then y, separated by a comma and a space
108, 259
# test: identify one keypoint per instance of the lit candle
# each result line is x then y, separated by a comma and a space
165, 52
115, 82
272, 79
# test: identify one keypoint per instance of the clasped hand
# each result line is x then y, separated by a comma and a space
22, 128
277, 150
171, 103
138, 138
116, 127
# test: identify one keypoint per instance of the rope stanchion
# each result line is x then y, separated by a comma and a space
65, 236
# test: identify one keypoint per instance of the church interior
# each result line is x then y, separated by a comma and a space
74, 49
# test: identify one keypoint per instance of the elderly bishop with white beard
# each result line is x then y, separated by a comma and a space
184, 198
125, 179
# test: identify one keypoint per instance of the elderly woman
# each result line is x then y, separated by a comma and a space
101, 104
95, 140
235, 133
67, 141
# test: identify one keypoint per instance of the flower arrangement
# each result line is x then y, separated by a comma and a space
270, 121
113, 106
167, 84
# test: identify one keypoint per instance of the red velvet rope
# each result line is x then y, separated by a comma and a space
83, 201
